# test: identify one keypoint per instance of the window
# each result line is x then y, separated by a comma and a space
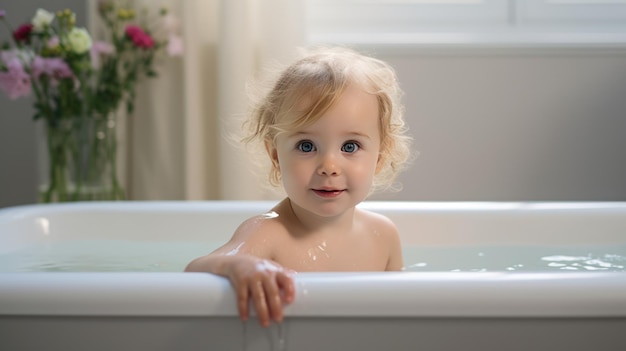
473, 22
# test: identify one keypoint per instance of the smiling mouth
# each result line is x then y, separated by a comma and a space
327, 193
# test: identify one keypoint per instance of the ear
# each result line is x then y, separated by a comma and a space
379, 163
272, 153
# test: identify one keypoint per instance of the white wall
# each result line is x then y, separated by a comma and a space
515, 124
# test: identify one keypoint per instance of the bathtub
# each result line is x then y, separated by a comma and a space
496, 309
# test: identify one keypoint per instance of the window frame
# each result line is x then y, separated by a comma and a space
468, 23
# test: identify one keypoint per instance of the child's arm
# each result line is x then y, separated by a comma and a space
265, 282
245, 262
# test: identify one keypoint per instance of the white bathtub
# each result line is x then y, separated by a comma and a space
494, 310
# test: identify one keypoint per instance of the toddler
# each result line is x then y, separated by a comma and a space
333, 128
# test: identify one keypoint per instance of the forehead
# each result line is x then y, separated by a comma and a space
353, 111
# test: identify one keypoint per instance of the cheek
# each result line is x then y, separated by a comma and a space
369, 164
292, 171
298, 170
359, 173
365, 171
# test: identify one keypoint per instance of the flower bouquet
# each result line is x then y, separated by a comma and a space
80, 84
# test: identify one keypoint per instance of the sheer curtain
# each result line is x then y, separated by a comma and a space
254, 35
176, 143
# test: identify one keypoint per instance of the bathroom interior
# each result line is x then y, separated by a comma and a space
529, 108
514, 107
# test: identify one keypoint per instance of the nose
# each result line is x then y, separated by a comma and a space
328, 165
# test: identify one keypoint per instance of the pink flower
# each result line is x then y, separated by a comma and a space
175, 45
2, 13
102, 48
140, 38
53, 42
15, 82
99, 49
55, 68
22, 33
7, 56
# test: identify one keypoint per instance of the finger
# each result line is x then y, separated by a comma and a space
260, 304
242, 301
287, 286
274, 301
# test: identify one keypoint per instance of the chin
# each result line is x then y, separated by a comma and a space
329, 208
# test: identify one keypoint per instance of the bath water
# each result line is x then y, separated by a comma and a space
516, 258
173, 256
104, 256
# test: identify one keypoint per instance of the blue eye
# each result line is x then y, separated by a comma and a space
350, 147
306, 146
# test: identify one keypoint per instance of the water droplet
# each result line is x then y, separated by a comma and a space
555, 264
282, 341
270, 215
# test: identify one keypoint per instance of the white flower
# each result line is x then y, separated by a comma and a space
41, 20
79, 40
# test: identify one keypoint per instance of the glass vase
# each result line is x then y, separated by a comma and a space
82, 162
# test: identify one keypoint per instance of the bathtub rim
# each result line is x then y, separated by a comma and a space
415, 294
254, 206
486, 218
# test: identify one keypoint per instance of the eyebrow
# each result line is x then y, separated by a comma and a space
297, 134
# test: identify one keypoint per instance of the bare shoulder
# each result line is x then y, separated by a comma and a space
380, 223
260, 227
256, 236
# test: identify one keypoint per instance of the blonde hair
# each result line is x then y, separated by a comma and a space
306, 89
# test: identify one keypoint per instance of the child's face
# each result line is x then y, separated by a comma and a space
328, 167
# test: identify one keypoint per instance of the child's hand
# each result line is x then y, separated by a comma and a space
266, 283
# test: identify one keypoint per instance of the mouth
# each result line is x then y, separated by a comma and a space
328, 193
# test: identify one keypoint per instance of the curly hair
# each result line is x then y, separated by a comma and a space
306, 89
